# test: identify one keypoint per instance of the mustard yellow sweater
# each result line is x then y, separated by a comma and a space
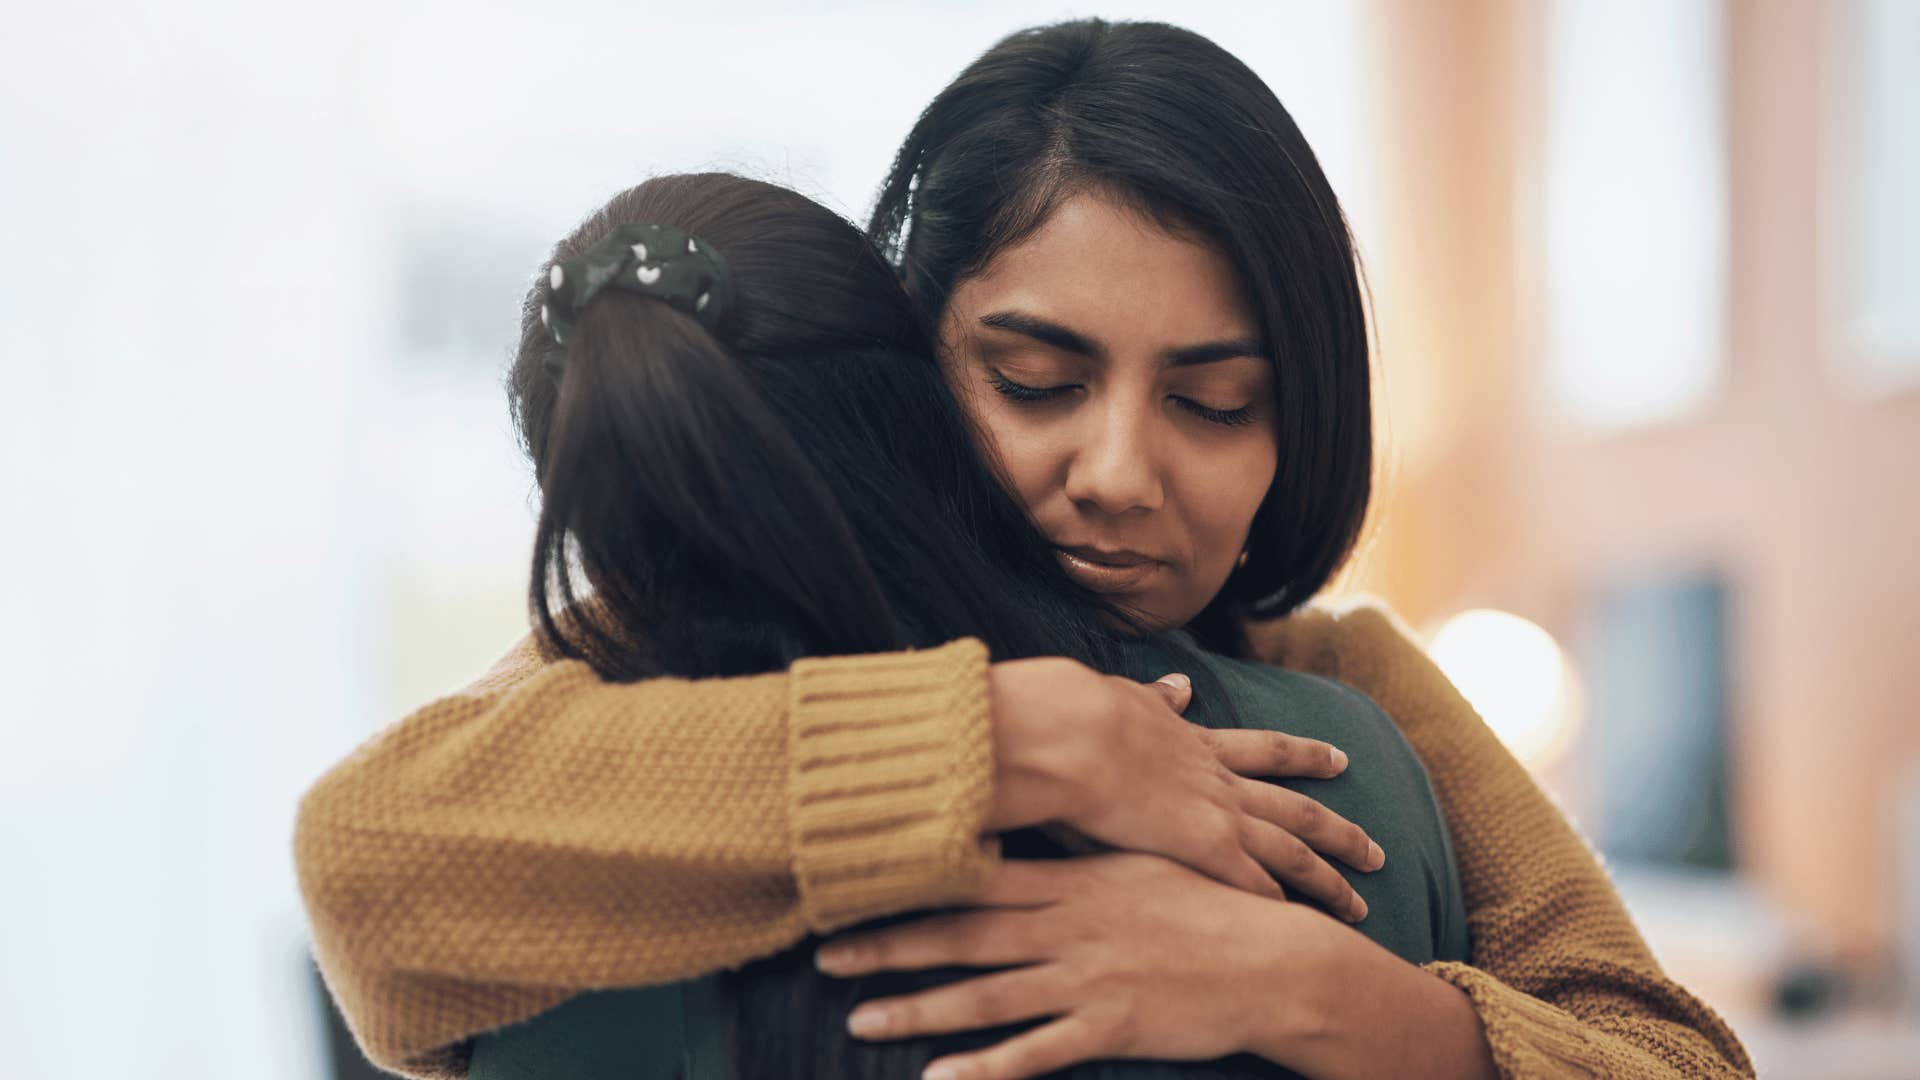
541, 833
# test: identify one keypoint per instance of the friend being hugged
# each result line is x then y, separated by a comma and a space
1143, 306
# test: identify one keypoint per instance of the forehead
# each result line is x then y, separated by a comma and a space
1113, 273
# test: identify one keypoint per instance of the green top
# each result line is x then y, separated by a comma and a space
1414, 905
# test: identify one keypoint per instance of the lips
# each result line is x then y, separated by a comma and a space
1108, 571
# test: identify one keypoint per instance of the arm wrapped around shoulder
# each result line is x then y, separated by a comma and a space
545, 832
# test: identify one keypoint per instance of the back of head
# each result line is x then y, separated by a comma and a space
782, 481
659, 466
1169, 122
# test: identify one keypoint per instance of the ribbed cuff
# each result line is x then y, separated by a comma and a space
1528, 1036
890, 773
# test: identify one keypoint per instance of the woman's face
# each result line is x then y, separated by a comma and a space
1114, 370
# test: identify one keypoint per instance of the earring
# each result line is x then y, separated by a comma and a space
1242, 560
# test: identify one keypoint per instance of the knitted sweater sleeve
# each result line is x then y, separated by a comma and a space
543, 832
1562, 982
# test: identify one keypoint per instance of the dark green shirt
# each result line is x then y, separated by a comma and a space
1414, 904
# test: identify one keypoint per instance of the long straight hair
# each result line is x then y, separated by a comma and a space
798, 482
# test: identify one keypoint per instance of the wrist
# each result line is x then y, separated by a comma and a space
1351, 1008
1036, 773
1305, 965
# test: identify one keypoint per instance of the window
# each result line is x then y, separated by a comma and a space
1635, 210
1878, 216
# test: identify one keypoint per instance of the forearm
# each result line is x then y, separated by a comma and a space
1348, 1008
503, 847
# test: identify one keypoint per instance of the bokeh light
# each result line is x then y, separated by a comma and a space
1517, 677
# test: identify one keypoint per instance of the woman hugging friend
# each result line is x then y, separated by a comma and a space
877, 576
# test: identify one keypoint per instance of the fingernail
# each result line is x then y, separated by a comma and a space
1376, 858
867, 1023
1359, 909
1339, 760
941, 1070
837, 959
1177, 681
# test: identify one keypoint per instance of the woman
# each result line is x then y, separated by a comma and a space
678, 463
1559, 978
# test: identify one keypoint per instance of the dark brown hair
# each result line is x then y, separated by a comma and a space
658, 460
1174, 124
797, 482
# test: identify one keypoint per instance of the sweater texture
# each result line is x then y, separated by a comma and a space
542, 832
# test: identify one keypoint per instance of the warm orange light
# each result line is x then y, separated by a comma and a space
1516, 677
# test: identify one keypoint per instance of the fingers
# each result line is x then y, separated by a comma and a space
1048, 1048
1213, 844
1306, 873
984, 1001
1245, 872
1275, 753
983, 939
1322, 829
1177, 689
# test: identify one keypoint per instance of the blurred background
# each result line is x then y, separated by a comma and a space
1647, 284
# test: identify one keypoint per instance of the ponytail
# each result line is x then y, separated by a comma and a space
783, 475
663, 463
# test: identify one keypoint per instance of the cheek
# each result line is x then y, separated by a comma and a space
1226, 501
1023, 459
1027, 459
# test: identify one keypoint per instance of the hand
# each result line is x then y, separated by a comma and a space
1113, 759
1199, 972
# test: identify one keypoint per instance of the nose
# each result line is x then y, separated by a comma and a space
1115, 467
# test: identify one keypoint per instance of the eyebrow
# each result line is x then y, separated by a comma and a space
1053, 334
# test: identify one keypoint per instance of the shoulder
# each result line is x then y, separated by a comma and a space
533, 652
1309, 703
1362, 643
1316, 690
1331, 639
522, 661
1364, 728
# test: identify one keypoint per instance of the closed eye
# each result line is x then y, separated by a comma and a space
1018, 391
1015, 391
1224, 417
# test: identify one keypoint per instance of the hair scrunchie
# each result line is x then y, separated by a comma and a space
659, 261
